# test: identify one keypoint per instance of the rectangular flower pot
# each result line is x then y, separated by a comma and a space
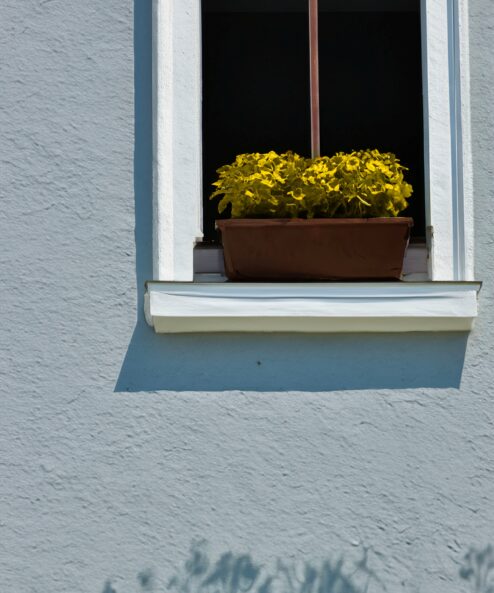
343, 249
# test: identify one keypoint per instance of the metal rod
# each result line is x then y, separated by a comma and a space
315, 126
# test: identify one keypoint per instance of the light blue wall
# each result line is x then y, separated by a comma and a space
120, 448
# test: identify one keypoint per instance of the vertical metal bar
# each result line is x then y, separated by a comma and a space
315, 126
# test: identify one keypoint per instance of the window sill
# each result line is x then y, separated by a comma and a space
187, 307
208, 259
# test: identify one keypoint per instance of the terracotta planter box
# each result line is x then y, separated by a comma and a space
343, 249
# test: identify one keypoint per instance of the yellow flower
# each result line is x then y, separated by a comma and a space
296, 195
352, 163
360, 183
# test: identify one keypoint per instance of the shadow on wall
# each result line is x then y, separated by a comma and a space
478, 569
240, 574
259, 362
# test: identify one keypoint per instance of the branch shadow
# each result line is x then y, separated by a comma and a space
259, 362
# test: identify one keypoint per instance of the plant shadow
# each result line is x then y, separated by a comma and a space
259, 362
478, 569
239, 573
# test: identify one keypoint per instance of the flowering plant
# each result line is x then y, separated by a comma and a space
258, 185
360, 184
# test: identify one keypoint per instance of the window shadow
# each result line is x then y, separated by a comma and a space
259, 362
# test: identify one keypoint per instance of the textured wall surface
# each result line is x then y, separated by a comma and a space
119, 448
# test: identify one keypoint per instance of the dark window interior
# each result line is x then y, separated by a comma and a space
256, 84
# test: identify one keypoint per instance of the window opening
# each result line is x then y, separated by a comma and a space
256, 84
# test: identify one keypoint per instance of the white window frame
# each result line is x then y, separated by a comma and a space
177, 163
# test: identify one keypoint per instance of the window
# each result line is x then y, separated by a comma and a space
255, 87
178, 173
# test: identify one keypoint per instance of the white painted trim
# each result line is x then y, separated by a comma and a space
317, 307
178, 142
448, 172
465, 161
437, 134
177, 167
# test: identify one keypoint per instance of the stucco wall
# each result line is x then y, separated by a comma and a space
119, 448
